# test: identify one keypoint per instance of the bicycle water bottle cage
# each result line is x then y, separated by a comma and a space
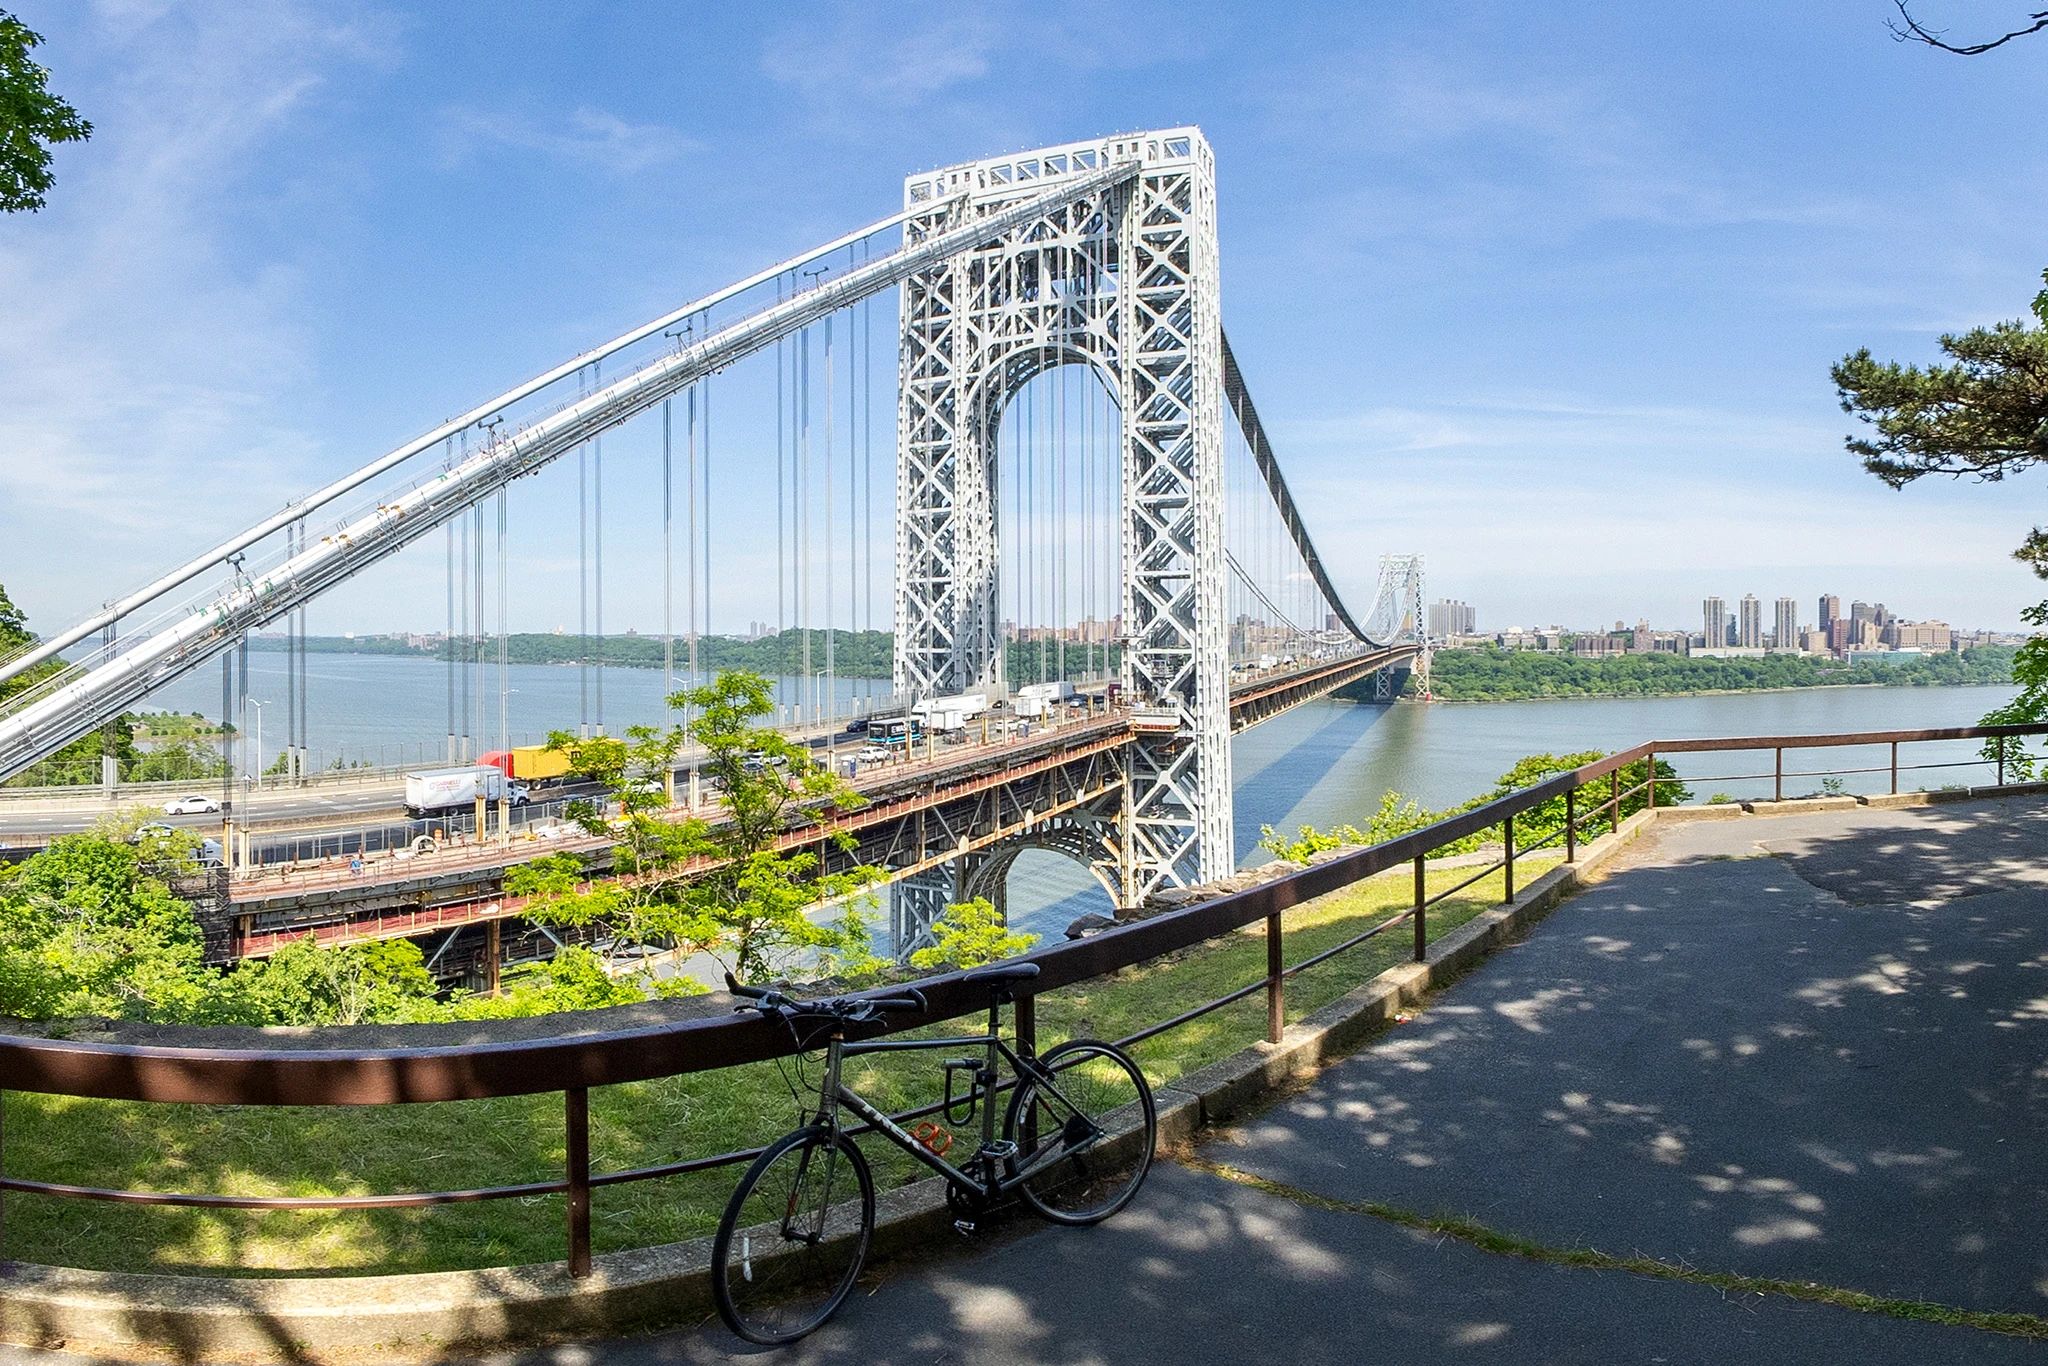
971, 1066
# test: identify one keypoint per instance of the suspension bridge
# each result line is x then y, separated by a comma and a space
1084, 492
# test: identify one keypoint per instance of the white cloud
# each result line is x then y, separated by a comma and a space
587, 136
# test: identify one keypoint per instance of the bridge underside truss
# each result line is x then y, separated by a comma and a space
1125, 280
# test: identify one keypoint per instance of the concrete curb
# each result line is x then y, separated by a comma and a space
424, 1316
1799, 806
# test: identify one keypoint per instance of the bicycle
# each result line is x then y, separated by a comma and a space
796, 1232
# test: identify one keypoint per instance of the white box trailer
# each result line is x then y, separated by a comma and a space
1038, 699
448, 789
949, 713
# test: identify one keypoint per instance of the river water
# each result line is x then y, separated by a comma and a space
1325, 763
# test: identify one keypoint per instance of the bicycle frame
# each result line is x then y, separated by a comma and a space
833, 1093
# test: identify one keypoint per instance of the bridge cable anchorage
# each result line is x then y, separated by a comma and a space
72, 702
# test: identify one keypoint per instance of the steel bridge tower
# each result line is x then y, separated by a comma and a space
1125, 281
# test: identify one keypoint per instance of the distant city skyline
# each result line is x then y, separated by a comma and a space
1787, 615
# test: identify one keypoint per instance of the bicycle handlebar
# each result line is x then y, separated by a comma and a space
854, 1009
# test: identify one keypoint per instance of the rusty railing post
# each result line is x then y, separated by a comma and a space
1571, 825
1276, 985
1895, 768
1421, 913
576, 1118
2000, 744
1778, 773
1025, 1017
1650, 776
1507, 837
1614, 802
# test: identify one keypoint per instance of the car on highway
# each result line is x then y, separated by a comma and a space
197, 804
874, 754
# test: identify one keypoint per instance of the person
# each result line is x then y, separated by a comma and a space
355, 863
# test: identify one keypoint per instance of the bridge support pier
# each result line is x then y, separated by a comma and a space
915, 904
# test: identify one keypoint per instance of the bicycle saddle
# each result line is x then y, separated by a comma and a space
1003, 972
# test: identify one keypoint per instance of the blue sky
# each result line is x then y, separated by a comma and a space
1547, 293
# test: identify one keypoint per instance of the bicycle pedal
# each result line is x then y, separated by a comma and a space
966, 1228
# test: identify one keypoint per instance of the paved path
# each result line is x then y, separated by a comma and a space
1805, 1047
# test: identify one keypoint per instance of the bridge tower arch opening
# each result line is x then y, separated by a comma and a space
1126, 280
1055, 479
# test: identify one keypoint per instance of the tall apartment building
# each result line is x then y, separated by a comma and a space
1713, 627
1830, 611
1786, 636
1749, 628
1448, 617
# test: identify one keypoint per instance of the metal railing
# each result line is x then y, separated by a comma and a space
1597, 796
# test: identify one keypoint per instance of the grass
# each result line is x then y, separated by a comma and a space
456, 1145
1488, 1239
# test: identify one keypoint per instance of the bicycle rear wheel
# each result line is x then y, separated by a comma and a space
793, 1237
1086, 1137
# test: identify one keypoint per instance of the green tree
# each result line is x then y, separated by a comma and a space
574, 979
969, 934
89, 926
307, 983
14, 632
1984, 416
32, 120
724, 887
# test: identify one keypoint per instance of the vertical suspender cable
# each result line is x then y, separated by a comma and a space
482, 726
504, 636
582, 579
448, 641
291, 666
781, 497
228, 736
597, 535
803, 510
247, 767
1060, 483
867, 459
827, 702
668, 560
305, 671
462, 646
690, 539
704, 627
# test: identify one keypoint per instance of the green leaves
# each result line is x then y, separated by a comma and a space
969, 934
724, 887
31, 121
1984, 416
1398, 815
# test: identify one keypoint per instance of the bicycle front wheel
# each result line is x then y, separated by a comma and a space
1084, 1135
793, 1237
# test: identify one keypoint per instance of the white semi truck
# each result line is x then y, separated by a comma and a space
448, 789
1041, 699
942, 714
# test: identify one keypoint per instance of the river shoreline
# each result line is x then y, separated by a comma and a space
1694, 692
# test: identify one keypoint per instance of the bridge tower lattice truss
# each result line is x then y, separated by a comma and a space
1125, 281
